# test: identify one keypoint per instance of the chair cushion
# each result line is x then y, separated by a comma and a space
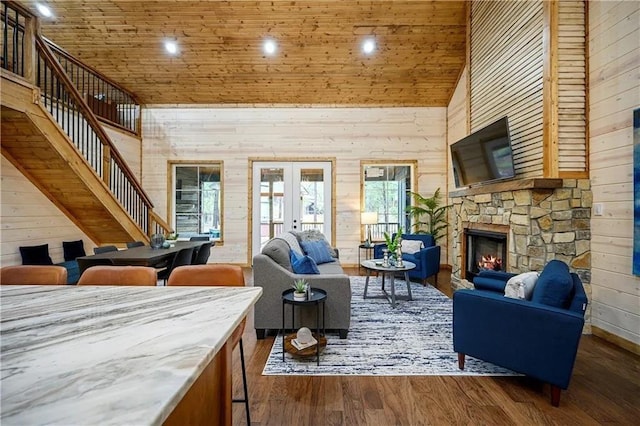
73, 250
554, 285
521, 286
303, 264
36, 255
411, 246
318, 251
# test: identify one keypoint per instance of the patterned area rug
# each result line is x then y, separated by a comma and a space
415, 338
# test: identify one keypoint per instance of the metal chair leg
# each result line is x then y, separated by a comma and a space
244, 384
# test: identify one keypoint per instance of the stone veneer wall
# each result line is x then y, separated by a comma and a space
544, 224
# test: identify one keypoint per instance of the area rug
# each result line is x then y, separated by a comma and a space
415, 338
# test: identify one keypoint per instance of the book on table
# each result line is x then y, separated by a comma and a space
300, 346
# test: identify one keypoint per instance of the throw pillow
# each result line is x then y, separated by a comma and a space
318, 251
36, 255
554, 285
73, 250
302, 264
411, 246
315, 235
521, 286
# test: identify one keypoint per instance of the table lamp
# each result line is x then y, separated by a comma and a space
368, 219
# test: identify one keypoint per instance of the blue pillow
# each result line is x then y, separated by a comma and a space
317, 250
554, 285
302, 264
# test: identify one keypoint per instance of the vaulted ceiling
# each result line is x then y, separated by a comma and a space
419, 55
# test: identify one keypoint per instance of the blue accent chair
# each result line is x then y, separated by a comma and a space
538, 338
427, 260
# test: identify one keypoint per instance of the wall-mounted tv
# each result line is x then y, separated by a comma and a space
483, 156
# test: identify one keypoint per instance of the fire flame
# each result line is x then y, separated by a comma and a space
490, 262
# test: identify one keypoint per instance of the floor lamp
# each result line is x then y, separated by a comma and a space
368, 219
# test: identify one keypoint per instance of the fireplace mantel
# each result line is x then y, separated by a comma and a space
511, 185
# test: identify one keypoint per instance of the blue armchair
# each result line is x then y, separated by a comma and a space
427, 260
537, 337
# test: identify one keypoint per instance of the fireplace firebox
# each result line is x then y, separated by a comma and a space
485, 250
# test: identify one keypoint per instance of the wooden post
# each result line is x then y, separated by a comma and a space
550, 90
30, 54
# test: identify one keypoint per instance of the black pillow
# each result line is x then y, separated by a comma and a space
73, 249
36, 255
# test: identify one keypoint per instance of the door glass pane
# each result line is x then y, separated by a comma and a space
271, 203
312, 199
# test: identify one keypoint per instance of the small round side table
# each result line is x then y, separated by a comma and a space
318, 297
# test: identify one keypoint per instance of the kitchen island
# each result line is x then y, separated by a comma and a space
86, 355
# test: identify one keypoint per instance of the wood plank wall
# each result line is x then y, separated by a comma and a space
572, 147
506, 69
614, 83
29, 218
234, 135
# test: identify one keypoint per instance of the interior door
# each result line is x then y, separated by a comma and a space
290, 196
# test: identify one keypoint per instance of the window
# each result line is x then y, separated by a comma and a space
197, 200
386, 191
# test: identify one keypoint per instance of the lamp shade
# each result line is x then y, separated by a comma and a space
369, 218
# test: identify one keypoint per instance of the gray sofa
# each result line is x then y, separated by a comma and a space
272, 271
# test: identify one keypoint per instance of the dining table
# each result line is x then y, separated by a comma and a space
137, 256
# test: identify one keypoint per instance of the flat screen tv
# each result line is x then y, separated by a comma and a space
483, 156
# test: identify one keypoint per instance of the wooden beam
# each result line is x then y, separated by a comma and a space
550, 90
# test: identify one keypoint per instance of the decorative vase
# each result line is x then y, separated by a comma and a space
300, 297
157, 240
385, 258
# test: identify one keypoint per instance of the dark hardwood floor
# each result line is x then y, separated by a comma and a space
605, 389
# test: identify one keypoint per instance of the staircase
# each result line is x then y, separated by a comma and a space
52, 136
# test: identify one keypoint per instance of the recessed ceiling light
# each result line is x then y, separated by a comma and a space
44, 10
269, 47
368, 46
171, 47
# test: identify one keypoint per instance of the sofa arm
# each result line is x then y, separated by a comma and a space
492, 280
537, 340
430, 260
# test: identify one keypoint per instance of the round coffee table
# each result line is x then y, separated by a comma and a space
317, 298
391, 271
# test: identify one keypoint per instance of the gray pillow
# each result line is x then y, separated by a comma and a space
278, 250
315, 235
293, 242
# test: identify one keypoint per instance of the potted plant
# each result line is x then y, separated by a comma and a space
393, 243
300, 289
435, 221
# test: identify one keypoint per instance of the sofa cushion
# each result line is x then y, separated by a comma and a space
554, 285
411, 246
73, 250
36, 255
317, 250
314, 235
278, 250
521, 286
292, 240
303, 264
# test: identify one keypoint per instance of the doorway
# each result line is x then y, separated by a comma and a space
294, 195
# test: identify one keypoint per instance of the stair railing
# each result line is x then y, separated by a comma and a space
27, 53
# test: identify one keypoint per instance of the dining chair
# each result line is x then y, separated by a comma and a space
132, 244
119, 275
33, 274
201, 257
104, 249
182, 257
217, 275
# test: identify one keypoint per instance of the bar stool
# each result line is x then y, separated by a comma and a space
217, 275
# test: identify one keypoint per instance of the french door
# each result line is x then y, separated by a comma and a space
290, 196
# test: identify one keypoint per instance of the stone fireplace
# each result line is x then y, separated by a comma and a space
542, 219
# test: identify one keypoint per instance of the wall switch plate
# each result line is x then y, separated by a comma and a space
598, 209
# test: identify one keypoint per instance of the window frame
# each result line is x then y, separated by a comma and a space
172, 193
413, 172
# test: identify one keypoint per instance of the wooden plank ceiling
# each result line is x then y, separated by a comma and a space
420, 49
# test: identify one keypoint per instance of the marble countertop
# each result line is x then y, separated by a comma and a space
85, 355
